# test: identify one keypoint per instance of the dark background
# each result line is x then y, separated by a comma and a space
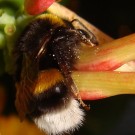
109, 16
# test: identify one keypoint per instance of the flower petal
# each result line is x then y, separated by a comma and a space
108, 56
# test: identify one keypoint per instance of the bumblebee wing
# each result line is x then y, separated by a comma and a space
42, 46
25, 86
28, 78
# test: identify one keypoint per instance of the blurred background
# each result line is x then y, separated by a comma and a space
111, 116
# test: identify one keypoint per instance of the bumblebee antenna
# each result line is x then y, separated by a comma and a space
92, 37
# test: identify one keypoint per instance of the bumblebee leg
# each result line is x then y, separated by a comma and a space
77, 95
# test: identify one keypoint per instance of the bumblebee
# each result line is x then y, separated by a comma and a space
45, 54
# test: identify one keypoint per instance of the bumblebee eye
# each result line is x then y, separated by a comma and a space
87, 37
84, 33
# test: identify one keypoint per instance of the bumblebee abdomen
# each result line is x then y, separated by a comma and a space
50, 93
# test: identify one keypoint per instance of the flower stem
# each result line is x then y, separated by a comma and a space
97, 85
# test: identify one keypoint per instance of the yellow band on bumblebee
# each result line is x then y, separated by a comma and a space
52, 18
47, 79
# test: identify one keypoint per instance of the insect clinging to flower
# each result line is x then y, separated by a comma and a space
45, 56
